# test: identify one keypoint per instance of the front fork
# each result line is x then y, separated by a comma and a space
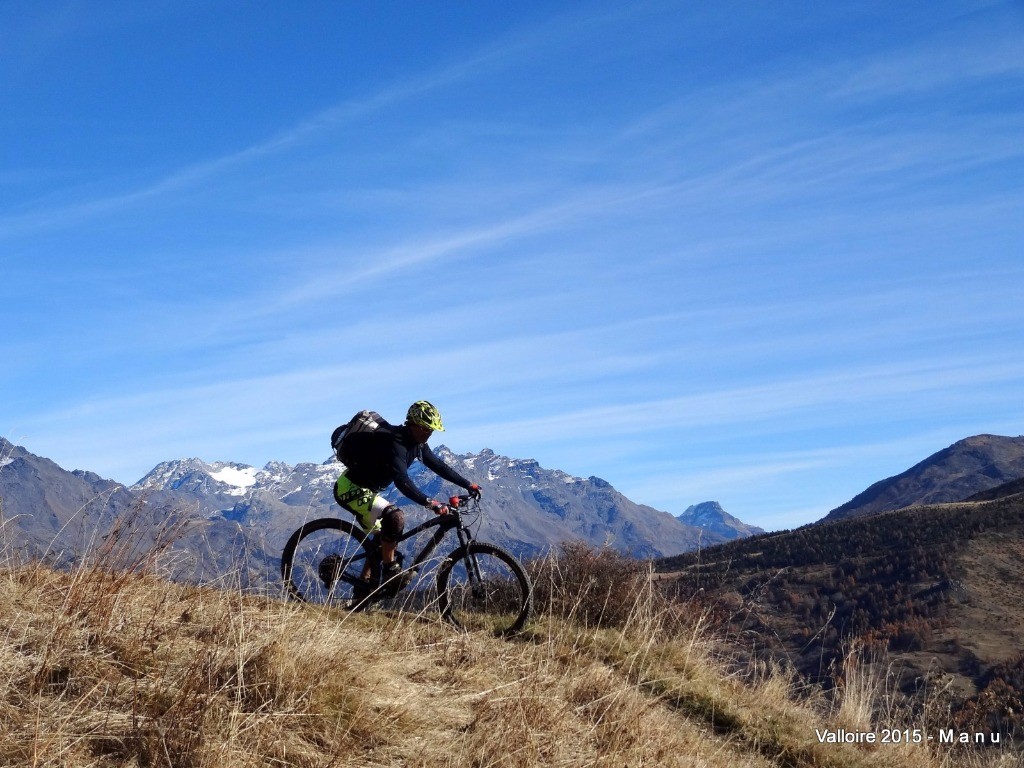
472, 566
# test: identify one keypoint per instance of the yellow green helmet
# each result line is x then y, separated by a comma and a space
426, 415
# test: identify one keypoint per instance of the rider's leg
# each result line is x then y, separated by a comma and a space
368, 509
392, 525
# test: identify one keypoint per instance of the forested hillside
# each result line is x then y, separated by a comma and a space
919, 587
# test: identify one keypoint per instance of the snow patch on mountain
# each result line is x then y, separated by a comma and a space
240, 478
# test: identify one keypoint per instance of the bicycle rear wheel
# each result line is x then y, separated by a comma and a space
323, 562
483, 587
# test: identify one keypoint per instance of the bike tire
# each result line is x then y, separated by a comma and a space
305, 553
501, 602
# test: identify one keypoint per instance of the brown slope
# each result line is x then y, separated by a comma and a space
1000, 491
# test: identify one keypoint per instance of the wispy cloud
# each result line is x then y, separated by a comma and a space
847, 388
504, 53
953, 59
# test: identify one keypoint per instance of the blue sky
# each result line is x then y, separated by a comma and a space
760, 253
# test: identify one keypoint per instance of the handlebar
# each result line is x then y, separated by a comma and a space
456, 501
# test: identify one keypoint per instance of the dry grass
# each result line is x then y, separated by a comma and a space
105, 666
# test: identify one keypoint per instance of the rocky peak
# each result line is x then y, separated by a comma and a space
710, 516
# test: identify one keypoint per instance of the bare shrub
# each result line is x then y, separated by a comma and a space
596, 587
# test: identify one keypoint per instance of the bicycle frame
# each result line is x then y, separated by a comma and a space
443, 526
443, 523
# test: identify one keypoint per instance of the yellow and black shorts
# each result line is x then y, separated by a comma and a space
366, 505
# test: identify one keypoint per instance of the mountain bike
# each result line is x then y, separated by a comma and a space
476, 586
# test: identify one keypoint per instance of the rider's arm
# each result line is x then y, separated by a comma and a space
400, 470
432, 462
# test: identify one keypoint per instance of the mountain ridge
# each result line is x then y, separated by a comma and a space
535, 508
969, 466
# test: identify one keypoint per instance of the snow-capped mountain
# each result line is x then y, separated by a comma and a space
220, 485
198, 477
529, 508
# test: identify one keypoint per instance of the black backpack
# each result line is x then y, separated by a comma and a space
364, 421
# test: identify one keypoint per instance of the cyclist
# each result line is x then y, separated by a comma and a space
382, 457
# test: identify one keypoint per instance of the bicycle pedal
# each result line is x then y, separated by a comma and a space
392, 581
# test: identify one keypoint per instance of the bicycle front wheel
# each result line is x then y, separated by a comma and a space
323, 562
483, 587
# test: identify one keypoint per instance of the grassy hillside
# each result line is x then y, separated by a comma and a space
119, 668
933, 593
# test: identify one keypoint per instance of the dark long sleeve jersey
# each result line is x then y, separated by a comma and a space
383, 456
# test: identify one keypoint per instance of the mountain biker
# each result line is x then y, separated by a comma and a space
382, 457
